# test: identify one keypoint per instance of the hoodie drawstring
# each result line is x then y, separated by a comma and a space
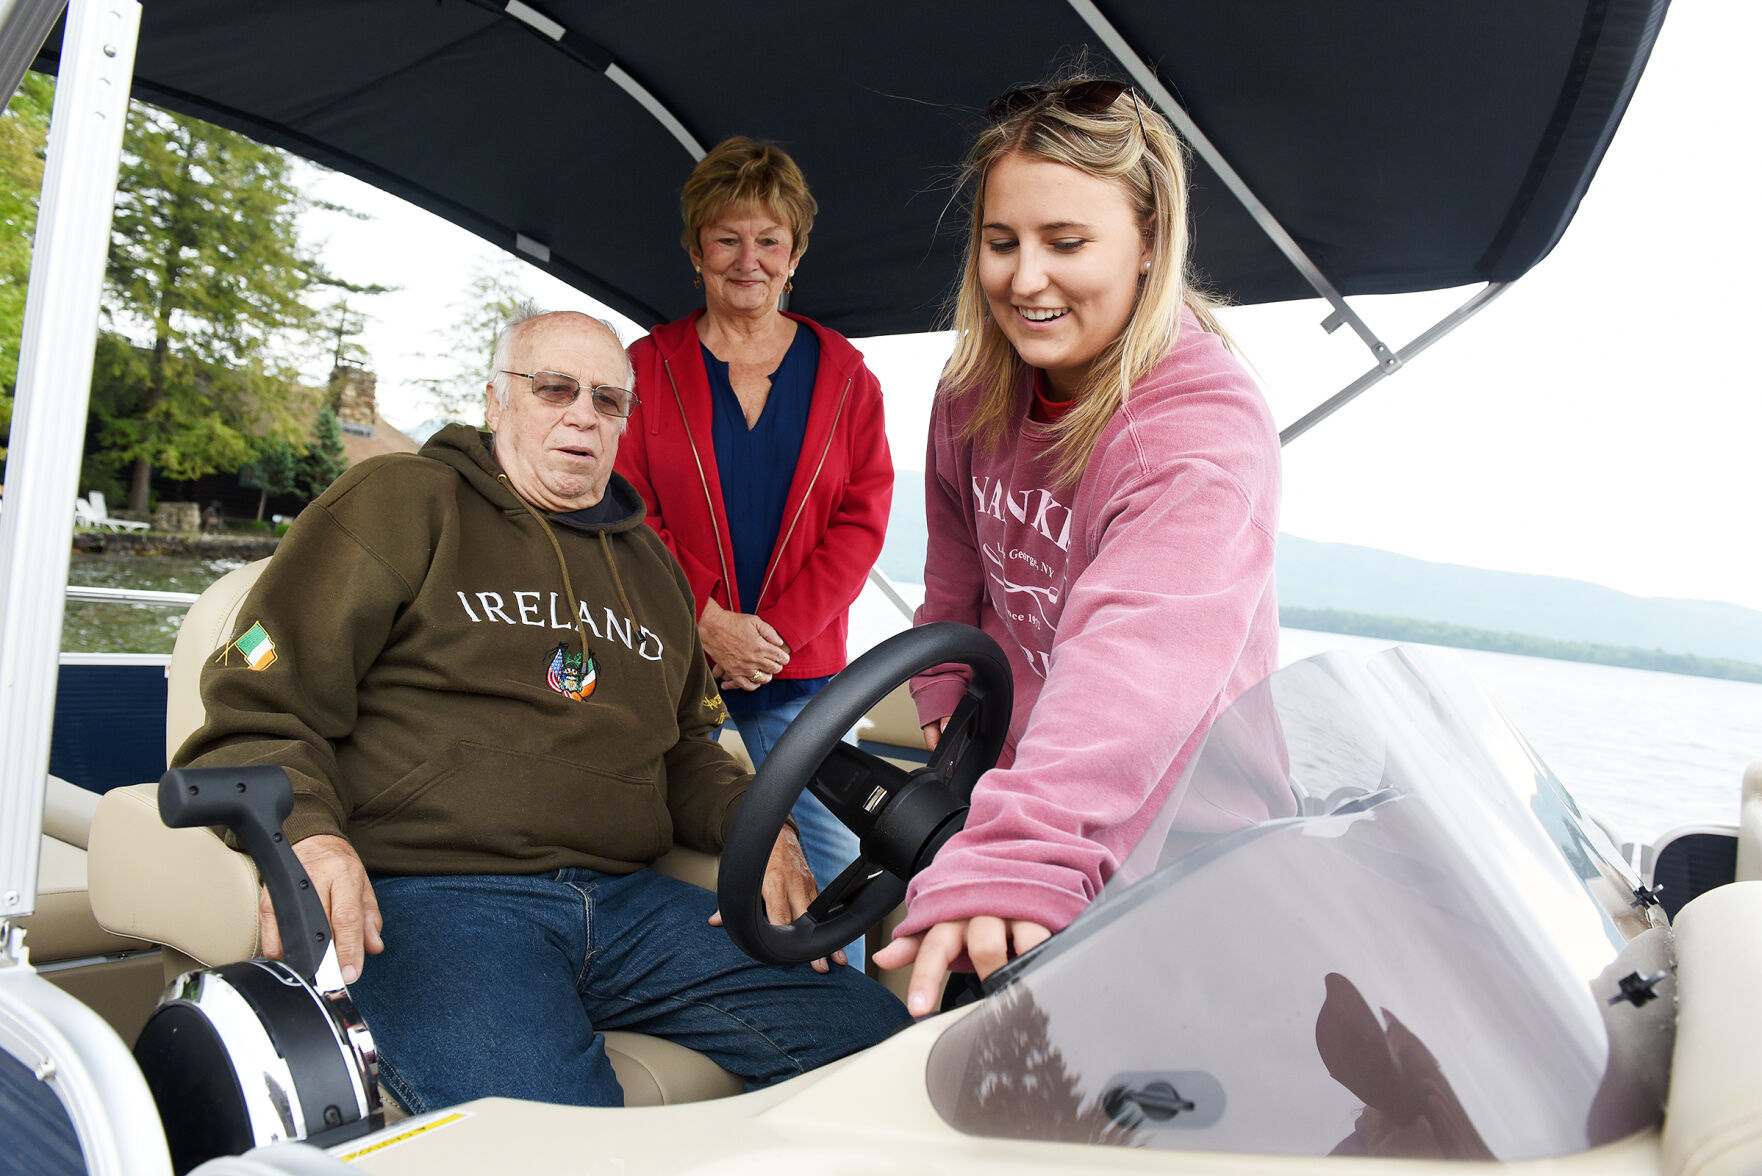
563, 565
606, 548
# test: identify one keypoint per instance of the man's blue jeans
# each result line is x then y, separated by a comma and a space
499, 985
826, 841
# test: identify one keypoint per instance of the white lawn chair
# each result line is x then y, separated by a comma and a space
97, 514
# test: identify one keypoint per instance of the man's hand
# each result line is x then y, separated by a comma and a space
933, 733
989, 942
789, 889
341, 882
746, 650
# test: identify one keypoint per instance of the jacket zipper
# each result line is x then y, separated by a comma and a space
704, 481
831, 433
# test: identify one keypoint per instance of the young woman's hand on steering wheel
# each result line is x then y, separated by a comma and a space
933, 732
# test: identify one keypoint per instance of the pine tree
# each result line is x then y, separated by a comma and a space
323, 462
275, 471
1016, 1082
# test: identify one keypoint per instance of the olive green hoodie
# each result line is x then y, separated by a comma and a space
412, 655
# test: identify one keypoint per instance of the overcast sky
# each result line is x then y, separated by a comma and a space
1599, 421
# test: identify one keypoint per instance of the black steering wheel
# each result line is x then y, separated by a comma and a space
901, 818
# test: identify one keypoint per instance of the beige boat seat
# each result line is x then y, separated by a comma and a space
116, 975
63, 926
186, 889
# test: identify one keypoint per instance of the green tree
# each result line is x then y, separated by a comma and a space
276, 470
488, 300
323, 462
281, 467
24, 131
207, 270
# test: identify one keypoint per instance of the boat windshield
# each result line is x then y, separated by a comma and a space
1438, 956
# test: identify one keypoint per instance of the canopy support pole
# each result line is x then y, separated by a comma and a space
49, 413
599, 58
880, 580
1387, 360
65, 1044
1422, 341
24, 26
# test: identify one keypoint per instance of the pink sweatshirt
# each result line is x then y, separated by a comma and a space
1133, 607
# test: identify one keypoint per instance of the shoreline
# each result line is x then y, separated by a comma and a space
199, 546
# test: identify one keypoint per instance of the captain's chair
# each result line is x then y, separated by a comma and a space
185, 889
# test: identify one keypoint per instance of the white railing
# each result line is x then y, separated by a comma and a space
129, 596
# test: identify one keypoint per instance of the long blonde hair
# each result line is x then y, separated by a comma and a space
1130, 143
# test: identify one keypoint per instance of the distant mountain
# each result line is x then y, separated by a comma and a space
1365, 580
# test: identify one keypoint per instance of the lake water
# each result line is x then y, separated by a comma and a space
125, 628
1645, 750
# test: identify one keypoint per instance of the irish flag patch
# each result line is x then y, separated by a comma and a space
256, 646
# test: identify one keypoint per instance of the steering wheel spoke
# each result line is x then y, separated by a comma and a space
951, 760
850, 882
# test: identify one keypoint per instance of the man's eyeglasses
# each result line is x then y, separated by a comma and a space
560, 390
1089, 98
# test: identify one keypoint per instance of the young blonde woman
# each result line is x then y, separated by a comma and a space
1102, 498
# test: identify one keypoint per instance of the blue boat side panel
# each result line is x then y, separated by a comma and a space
40, 1139
109, 725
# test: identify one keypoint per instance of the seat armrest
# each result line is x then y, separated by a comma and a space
180, 887
67, 811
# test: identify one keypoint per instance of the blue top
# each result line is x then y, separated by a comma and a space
757, 465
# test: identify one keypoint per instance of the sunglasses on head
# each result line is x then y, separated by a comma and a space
1091, 97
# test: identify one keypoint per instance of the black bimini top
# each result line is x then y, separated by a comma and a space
1404, 145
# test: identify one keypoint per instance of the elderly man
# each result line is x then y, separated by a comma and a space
482, 672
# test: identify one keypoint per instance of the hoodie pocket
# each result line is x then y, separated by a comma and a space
522, 805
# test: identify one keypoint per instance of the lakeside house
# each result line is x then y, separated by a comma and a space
351, 393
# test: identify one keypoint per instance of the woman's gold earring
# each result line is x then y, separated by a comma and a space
789, 282
697, 278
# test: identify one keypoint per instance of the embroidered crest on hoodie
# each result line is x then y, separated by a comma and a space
571, 674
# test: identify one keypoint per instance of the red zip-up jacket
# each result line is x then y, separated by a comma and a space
833, 521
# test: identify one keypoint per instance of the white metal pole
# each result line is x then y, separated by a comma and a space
49, 414
65, 1043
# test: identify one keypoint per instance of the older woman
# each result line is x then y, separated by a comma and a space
760, 451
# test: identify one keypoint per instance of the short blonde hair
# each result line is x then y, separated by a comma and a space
1131, 144
742, 173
